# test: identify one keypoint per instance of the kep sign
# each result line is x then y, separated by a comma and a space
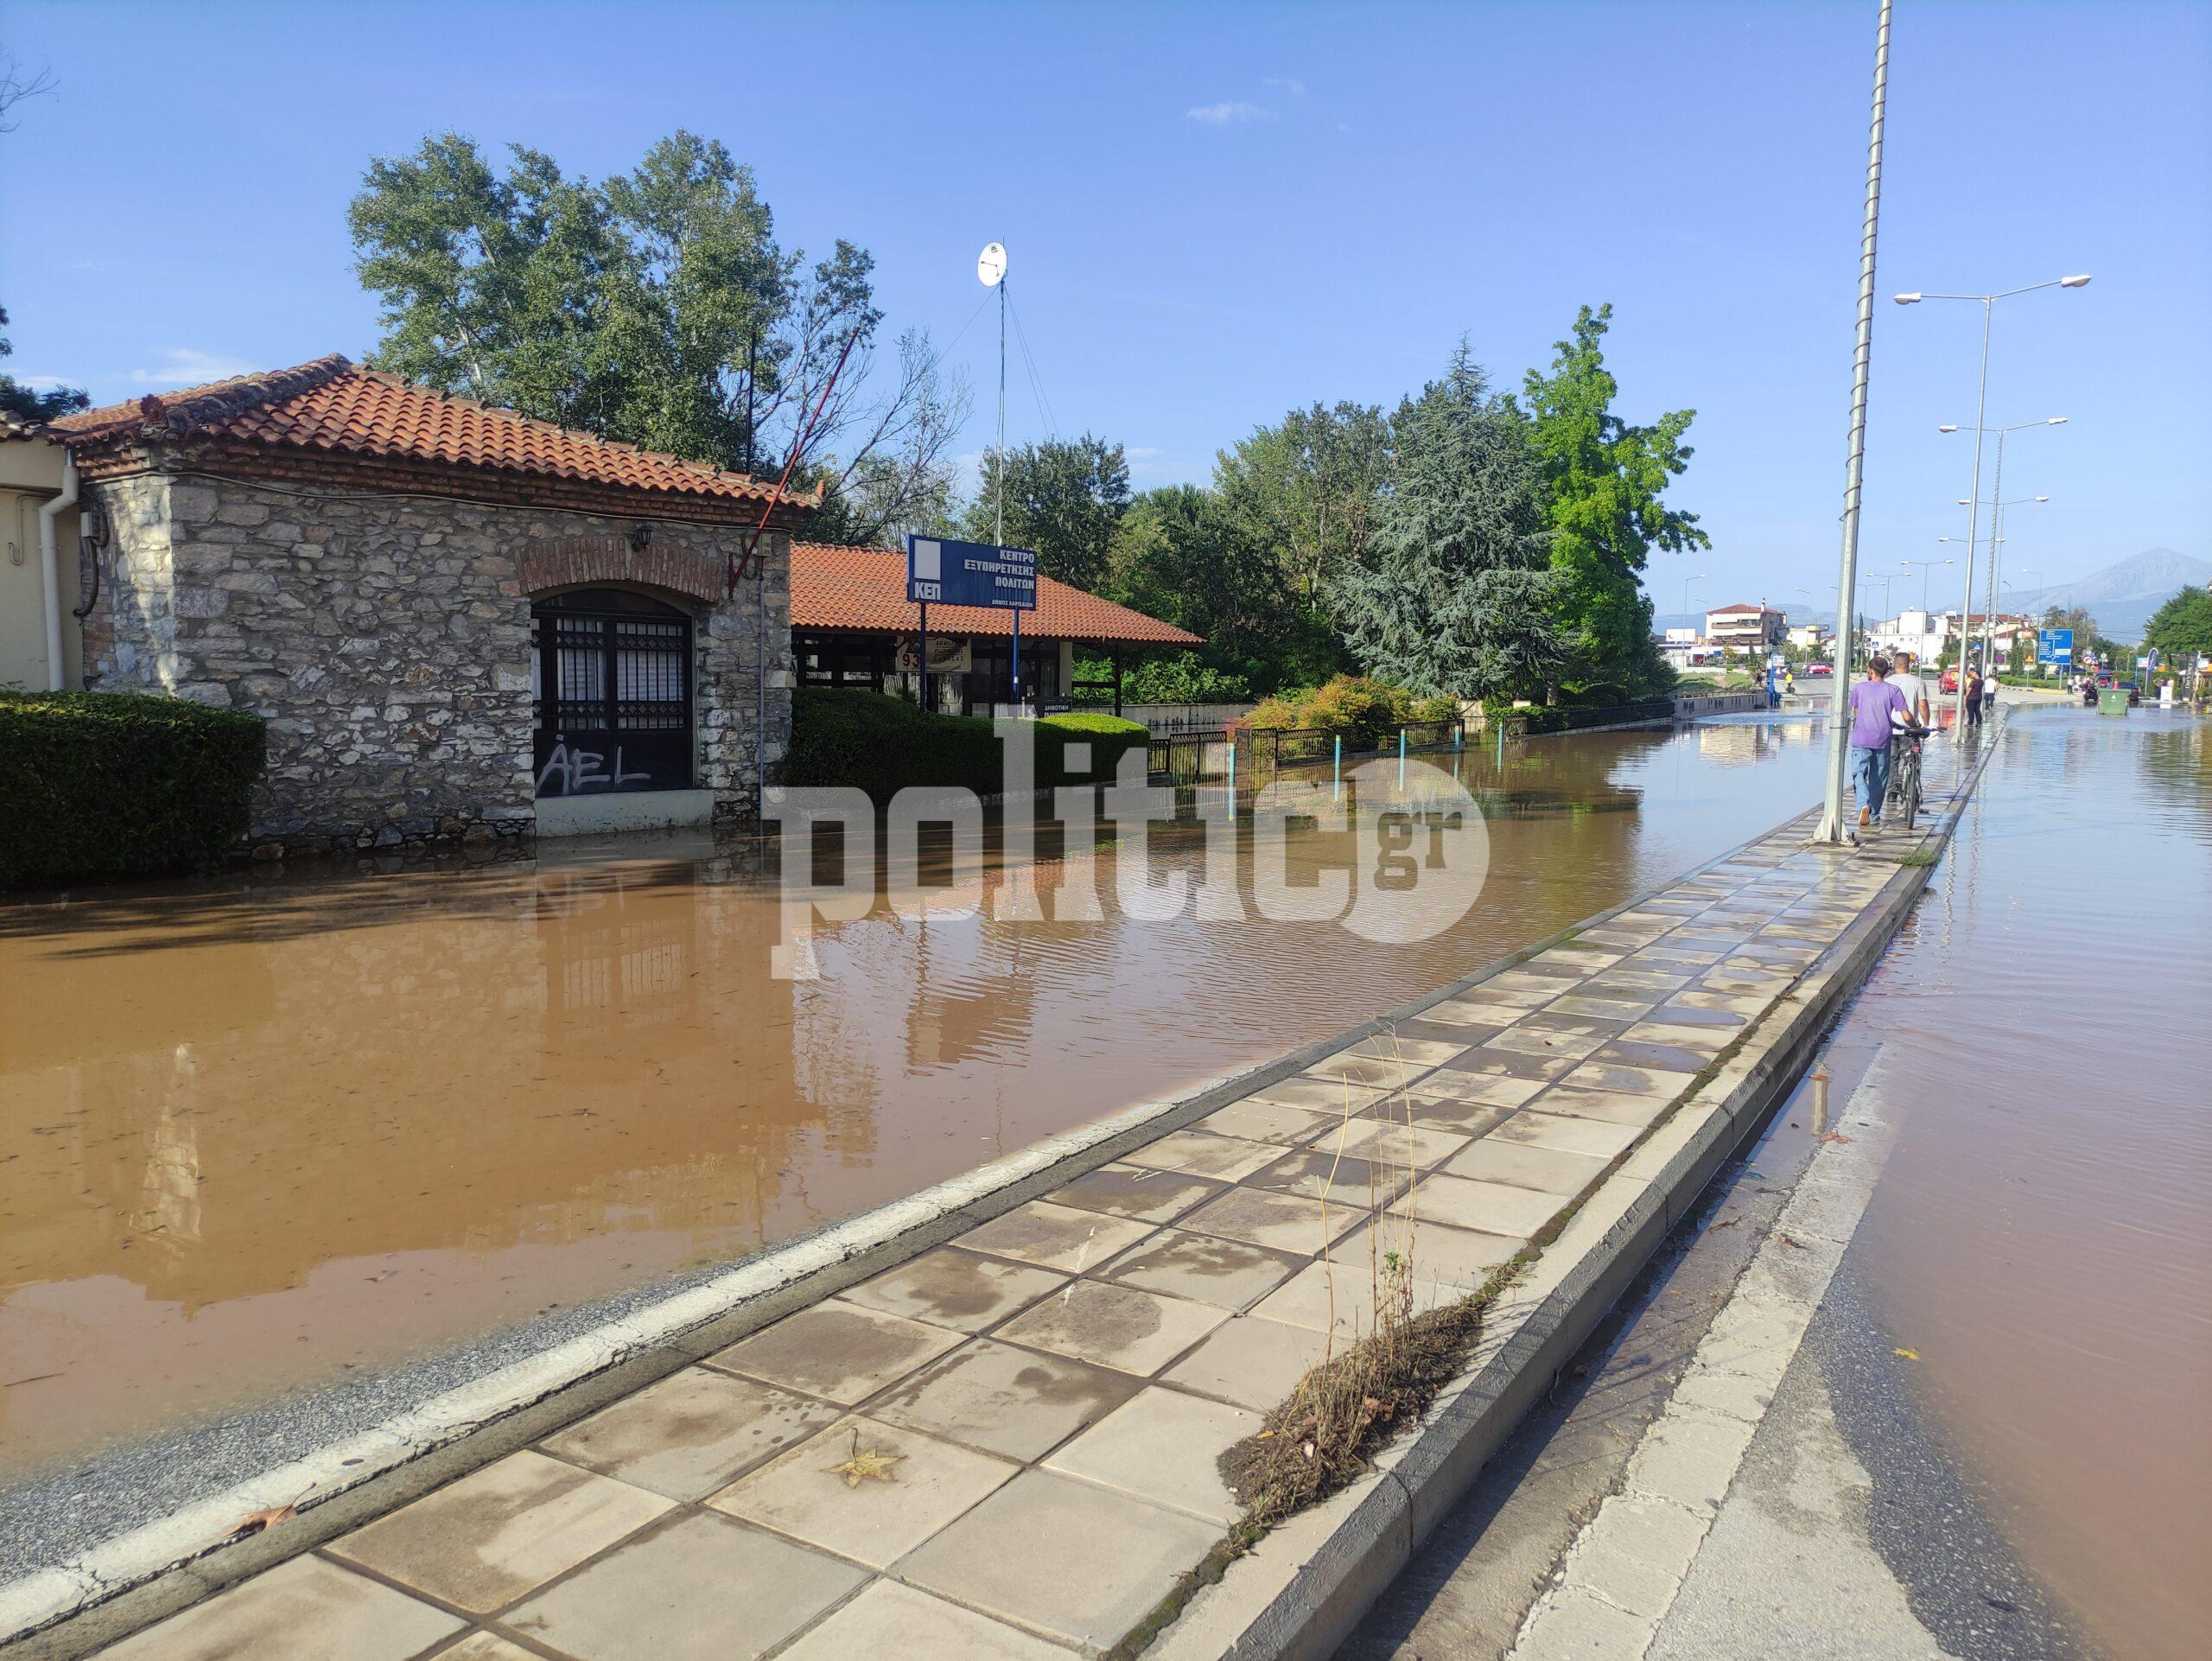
942, 572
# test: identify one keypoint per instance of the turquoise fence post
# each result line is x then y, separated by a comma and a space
1336, 776
1402, 758
1232, 774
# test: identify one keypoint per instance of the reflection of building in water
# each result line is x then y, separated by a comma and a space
471, 1060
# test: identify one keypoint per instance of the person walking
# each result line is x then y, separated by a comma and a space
1873, 701
1973, 697
1914, 690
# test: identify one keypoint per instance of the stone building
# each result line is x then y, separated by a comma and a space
457, 621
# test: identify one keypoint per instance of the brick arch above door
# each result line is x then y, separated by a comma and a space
664, 563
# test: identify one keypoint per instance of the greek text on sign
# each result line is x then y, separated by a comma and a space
946, 573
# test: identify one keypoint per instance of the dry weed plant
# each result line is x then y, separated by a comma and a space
1321, 1436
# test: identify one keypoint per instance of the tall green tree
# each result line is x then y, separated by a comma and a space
1455, 594
1065, 498
35, 403
1306, 488
657, 309
2183, 626
1604, 478
2076, 618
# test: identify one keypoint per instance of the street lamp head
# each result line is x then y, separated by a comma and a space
1914, 299
2081, 282
1948, 427
1963, 502
2055, 421
2042, 499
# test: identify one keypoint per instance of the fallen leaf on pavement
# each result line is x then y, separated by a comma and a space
257, 1521
1831, 1135
1909, 1355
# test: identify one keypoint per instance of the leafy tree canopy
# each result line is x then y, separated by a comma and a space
33, 402
1603, 482
1305, 491
657, 309
1065, 498
2183, 626
1455, 594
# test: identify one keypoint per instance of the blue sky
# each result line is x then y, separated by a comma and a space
1215, 212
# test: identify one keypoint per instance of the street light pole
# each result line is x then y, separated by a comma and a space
1847, 584
1927, 568
1981, 402
1996, 541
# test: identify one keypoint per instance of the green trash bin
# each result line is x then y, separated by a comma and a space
2112, 700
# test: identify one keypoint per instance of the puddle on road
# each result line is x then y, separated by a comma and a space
2039, 1236
261, 1133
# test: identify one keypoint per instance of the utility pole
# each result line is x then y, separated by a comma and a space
1847, 589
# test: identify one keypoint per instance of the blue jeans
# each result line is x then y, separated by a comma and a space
1870, 772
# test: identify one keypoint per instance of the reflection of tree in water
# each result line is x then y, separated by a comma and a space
2177, 767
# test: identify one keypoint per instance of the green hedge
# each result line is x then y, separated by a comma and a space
882, 744
114, 785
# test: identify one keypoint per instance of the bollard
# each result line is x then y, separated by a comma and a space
1402, 758
1232, 776
1820, 1099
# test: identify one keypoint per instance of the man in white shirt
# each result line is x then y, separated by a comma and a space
1915, 691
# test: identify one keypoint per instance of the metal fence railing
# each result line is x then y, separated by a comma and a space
1256, 755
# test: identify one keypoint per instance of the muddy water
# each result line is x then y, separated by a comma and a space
2042, 1236
261, 1134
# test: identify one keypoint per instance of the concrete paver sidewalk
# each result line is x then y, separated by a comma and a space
1007, 1445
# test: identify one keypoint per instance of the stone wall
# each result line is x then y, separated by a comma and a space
386, 639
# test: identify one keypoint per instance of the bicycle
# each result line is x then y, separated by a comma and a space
1904, 773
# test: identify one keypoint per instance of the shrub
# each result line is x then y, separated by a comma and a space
1185, 677
1366, 712
882, 744
118, 784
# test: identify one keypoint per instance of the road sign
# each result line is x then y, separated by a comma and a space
2055, 645
942, 572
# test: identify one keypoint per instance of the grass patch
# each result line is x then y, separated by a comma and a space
1919, 856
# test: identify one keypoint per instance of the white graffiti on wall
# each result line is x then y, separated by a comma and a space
570, 771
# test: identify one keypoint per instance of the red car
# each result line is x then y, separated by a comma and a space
1950, 680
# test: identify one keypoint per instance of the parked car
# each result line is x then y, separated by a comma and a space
1950, 680
1820, 671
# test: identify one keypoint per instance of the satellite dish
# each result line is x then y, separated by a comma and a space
990, 264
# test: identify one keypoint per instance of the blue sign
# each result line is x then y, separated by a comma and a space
2055, 645
946, 573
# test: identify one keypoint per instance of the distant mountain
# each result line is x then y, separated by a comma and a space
2121, 596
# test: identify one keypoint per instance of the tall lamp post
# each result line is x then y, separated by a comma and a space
1833, 829
1927, 568
1996, 541
1988, 302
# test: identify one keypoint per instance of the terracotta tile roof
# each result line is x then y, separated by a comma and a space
333, 407
866, 587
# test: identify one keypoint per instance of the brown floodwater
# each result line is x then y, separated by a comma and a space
262, 1133
2042, 1235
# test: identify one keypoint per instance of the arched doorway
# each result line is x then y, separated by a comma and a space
611, 686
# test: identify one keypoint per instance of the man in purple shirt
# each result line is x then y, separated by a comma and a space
1873, 701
